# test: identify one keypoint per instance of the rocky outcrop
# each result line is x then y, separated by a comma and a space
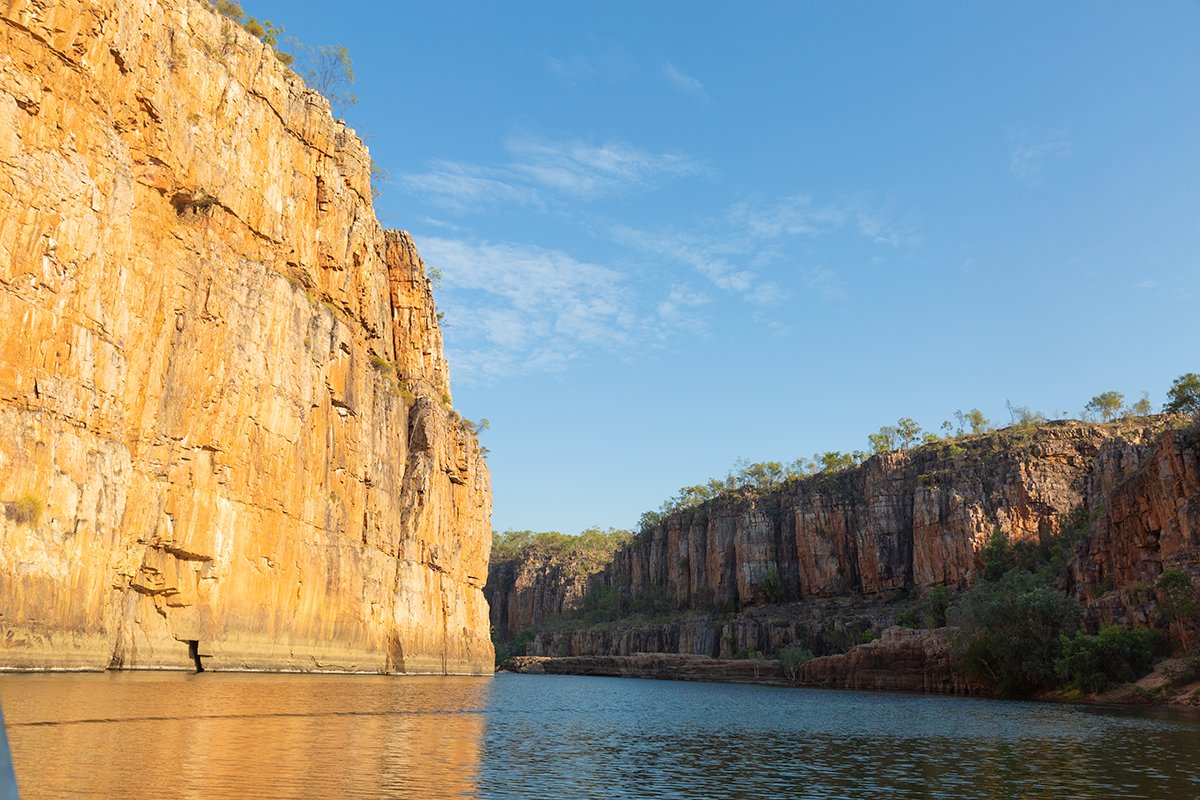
1150, 523
224, 410
533, 577
827, 625
829, 561
901, 660
665, 666
526, 591
898, 521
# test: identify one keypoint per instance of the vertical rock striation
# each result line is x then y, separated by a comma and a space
224, 409
1150, 523
900, 520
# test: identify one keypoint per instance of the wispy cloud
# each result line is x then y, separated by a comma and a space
684, 82
751, 251
540, 171
585, 170
825, 282
610, 62
796, 215
461, 187
1032, 149
520, 308
710, 256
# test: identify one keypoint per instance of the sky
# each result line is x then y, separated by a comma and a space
671, 235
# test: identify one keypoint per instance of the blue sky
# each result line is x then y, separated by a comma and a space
676, 234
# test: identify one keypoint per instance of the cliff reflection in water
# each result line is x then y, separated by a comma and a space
218, 736
244, 735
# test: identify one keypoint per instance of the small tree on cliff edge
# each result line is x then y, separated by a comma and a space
327, 69
1106, 405
1184, 395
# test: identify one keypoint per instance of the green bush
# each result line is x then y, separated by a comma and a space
1010, 631
996, 556
1179, 600
792, 657
1116, 655
773, 586
939, 602
1184, 395
522, 641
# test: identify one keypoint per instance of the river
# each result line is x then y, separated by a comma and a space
229, 735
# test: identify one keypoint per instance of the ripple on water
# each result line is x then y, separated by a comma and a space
291, 736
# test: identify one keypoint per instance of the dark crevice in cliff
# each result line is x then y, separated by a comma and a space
194, 654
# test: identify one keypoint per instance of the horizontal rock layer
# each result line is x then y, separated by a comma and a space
824, 625
901, 660
224, 410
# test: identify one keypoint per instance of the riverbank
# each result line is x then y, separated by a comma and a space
902, 660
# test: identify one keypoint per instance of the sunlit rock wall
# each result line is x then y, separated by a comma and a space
224, 410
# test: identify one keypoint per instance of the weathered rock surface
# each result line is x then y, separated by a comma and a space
1150, 523
224, 410
525, 592
901, 660
900, 520
823, 625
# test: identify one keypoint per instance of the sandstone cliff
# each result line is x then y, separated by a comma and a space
525, 592
828, 560
899, 520
1149, 523
224, 411
534, 576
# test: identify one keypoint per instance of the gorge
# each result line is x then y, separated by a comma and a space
831, 561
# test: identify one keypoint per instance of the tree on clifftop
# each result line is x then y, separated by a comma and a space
909, 430
327, 69
1106, 405
1184, 395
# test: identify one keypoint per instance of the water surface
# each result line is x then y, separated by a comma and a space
523, 736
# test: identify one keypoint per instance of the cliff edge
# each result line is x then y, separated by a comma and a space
225, 423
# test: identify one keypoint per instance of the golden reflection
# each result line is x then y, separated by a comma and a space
230, 735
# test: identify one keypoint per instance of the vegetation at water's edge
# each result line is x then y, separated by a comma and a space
1019, 633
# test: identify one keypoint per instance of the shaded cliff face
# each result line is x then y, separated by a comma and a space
1150, 523
534, 576
524, 592
900, 520
224, 408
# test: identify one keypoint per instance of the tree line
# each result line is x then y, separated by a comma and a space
1182, 398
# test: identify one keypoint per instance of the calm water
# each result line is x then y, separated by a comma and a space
173, 735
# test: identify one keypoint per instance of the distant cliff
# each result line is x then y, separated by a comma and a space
900, 520
826, 559
534, 576
225, 421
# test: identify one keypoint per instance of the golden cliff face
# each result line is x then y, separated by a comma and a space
224, 410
